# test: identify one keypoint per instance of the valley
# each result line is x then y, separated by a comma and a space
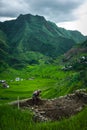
36, 54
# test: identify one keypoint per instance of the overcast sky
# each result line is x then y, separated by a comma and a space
70, 14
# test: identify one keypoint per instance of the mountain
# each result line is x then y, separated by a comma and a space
76, 57
75, 35
32, 39
76, 51
4, 56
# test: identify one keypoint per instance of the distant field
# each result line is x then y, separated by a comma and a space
53, 82
51, 79
25, 88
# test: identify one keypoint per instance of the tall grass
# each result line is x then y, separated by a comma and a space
13, 119
53, 82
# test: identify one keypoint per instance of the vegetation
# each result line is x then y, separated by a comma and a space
51, 79
31, 39
11, 118
32, 57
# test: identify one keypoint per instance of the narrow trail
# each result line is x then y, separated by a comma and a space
56, 109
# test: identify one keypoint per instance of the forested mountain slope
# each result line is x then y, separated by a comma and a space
32, 38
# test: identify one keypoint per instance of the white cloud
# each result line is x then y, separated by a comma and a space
6, 18
70, 14
59, 9
81, 20
12, 8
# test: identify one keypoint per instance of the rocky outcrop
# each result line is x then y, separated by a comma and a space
58, 108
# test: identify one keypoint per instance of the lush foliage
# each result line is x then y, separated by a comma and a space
51, 79
3, 52
32, 39
29, 47
11, 118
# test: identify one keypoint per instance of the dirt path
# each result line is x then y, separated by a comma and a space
56, 109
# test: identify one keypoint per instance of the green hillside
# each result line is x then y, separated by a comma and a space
11, 118
29, 36
36, 54
4, 56
54, 82
76, 57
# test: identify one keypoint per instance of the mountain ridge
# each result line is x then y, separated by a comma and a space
29, 33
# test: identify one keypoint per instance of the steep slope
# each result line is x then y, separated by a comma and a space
75, 35
30, 34
76, 59
77, 51
4, 57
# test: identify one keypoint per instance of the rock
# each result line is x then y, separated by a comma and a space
79, 109
56, 109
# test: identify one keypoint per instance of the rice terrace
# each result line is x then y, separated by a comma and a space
43, 75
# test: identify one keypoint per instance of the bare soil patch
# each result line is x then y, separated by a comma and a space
56, 109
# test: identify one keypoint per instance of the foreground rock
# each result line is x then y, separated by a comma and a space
56, 109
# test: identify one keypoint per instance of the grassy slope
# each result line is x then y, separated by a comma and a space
53, 82
49, 78
44, 79
11, 118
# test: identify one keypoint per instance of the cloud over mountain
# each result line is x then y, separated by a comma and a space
52, 9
